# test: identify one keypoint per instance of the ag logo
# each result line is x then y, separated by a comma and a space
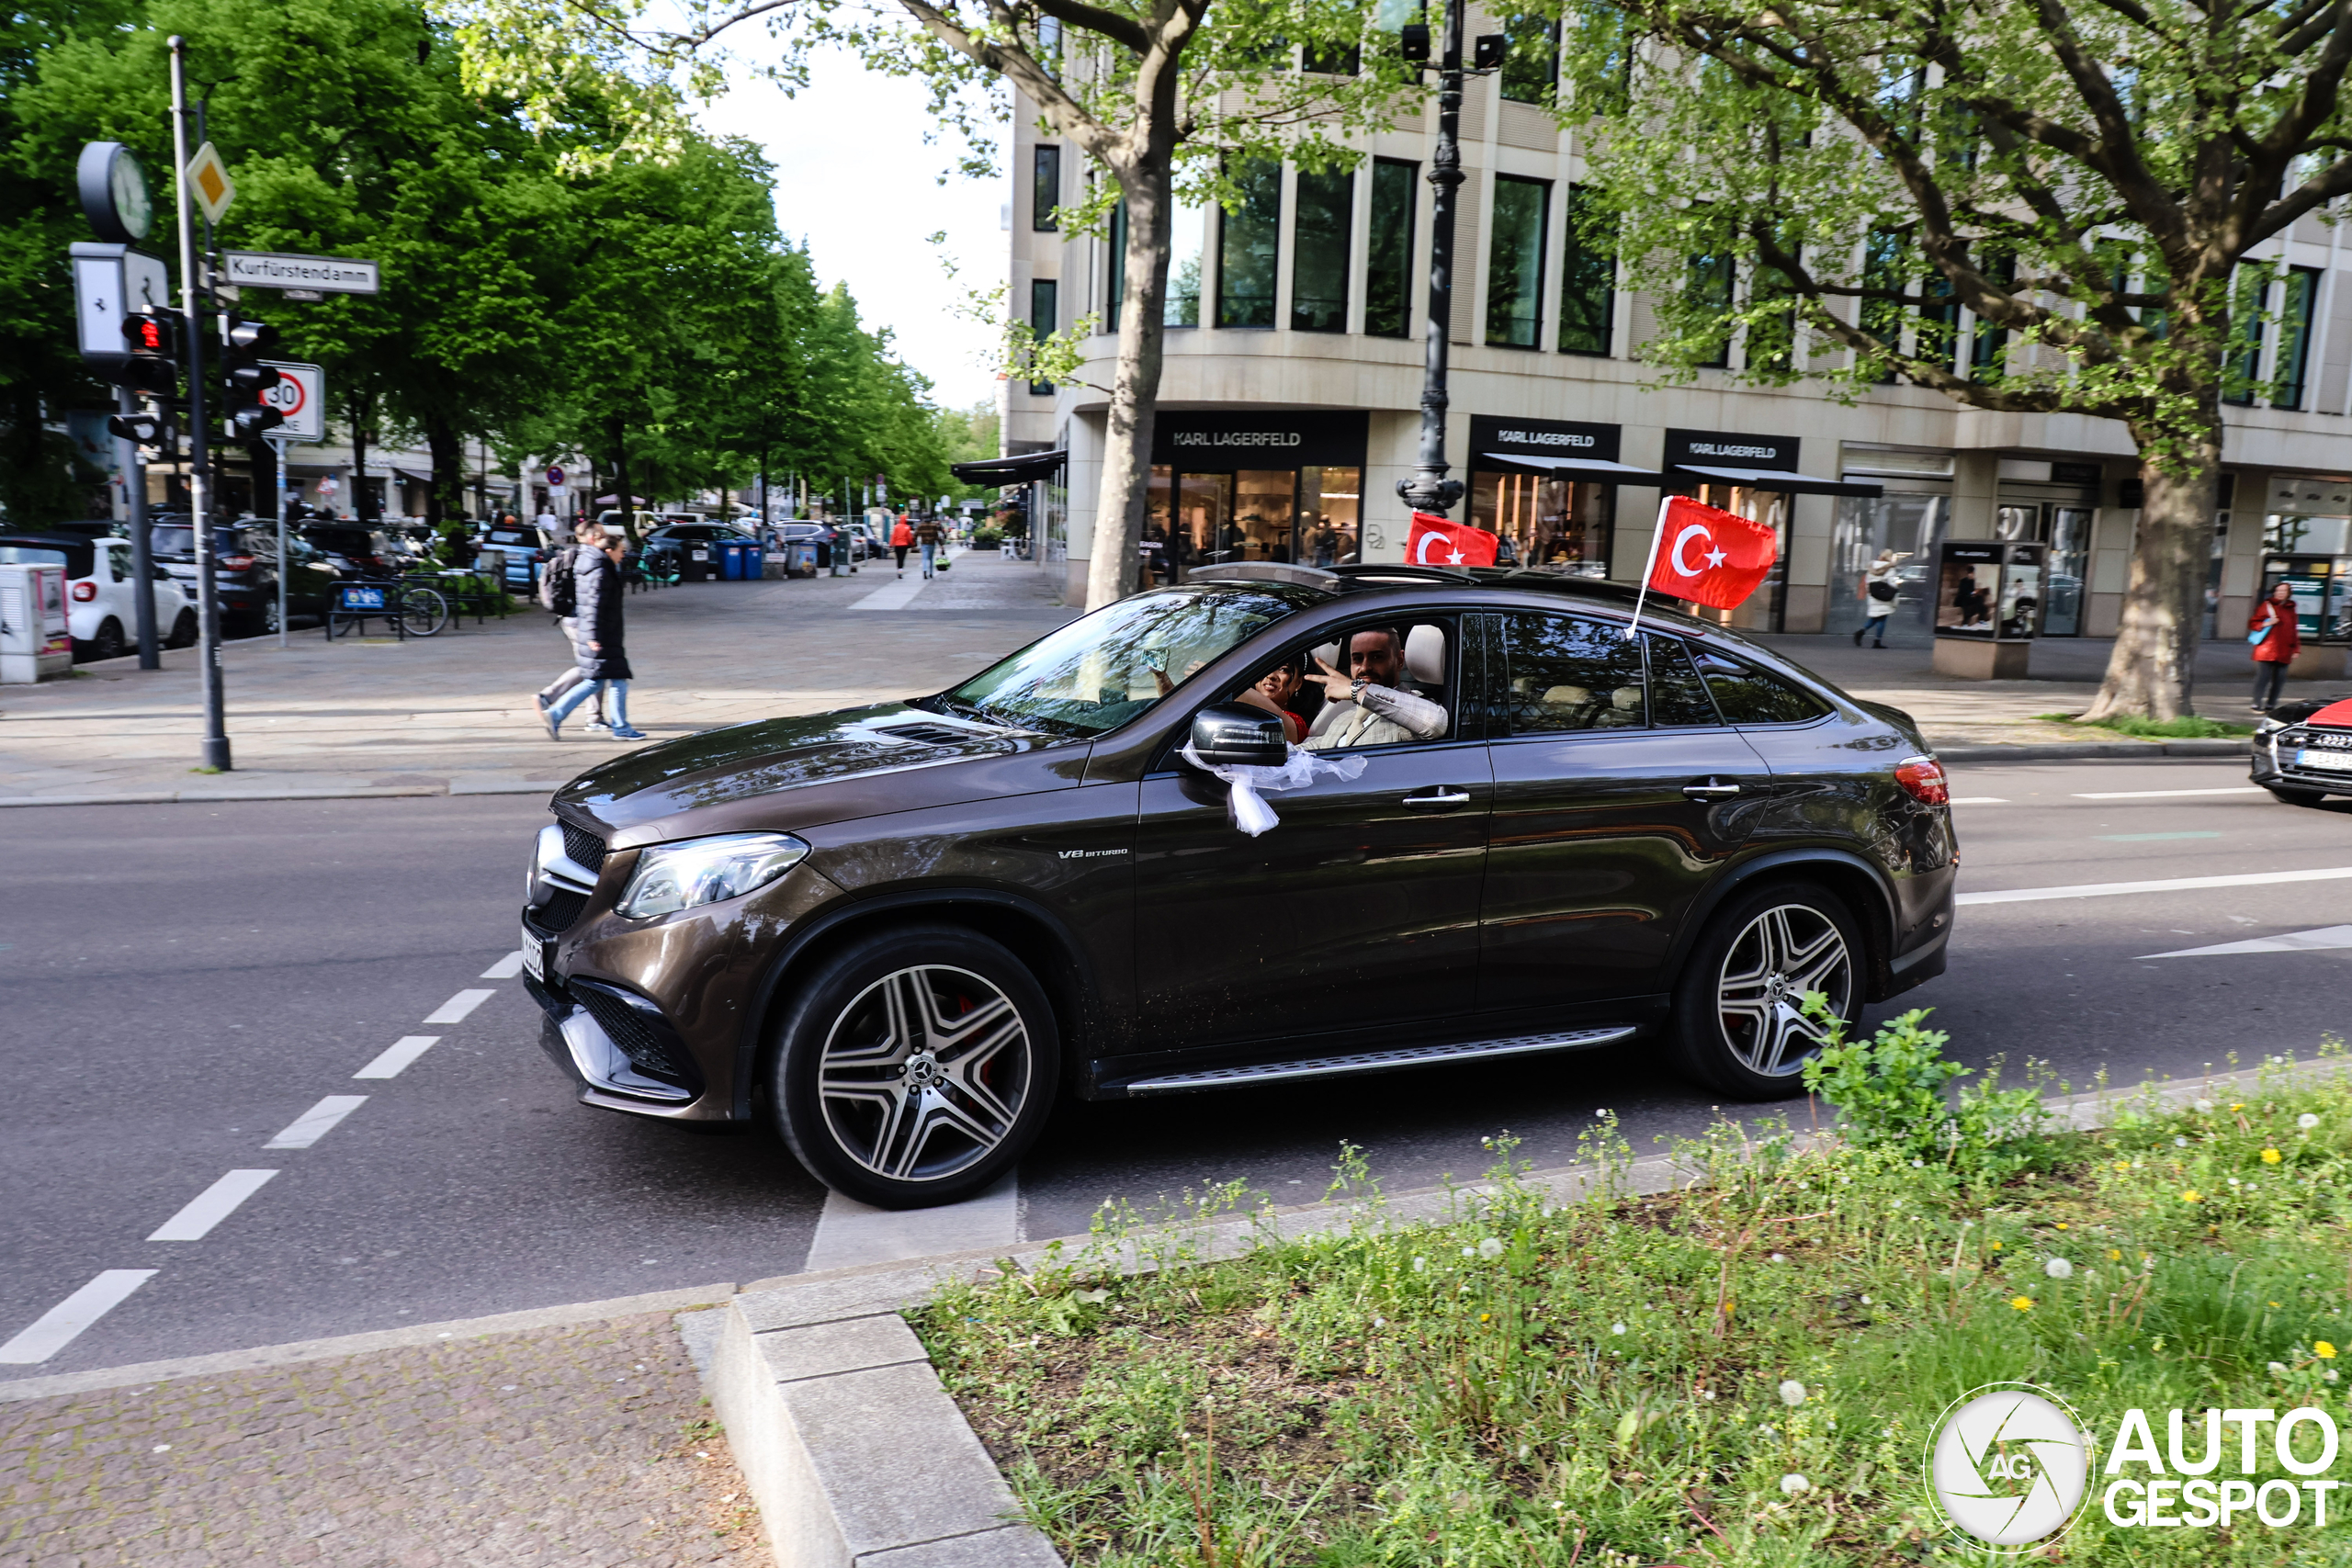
2010, 1464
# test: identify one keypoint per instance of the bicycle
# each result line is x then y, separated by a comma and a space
412, 609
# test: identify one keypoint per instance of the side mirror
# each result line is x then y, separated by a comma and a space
1233, 735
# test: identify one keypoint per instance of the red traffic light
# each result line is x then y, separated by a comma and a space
151, 336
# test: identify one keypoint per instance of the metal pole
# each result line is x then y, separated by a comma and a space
1428, 489
143, 554
199, 489
278, 446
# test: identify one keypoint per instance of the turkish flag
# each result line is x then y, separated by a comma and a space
1709, 557
1433, 541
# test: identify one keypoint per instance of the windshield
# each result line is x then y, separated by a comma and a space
1096, 673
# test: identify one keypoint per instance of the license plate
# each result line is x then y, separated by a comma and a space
2327, 761
534, 956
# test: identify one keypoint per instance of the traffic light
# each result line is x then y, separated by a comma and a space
243, 341
1489, 51
153, 368
146, 429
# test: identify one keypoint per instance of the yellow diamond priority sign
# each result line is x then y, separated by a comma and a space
208, 178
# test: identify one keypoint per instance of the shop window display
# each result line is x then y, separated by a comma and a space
1553, 524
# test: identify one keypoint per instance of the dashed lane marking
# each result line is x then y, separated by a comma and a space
2327, 939
2164, 794
317, 1122
212, 1205
505, 968
454, 1011
2168, 885
1978, 800
2148, 838
403, 1051
60, 1325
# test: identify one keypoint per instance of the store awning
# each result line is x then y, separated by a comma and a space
1588, 469
412, 478
1014, 470
1787, 480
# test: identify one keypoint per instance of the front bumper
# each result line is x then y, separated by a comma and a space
2274, 766
619, 1048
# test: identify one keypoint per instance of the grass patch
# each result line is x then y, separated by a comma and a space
2189, 727
1744, 1372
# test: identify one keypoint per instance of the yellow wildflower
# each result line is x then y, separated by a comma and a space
2192, 1196
2270, 1156
2023, 1303
1996, 1246
2114, 1255
2323, 1350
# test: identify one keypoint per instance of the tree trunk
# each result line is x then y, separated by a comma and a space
448, 484
1135, 388
2152, 671
621, 493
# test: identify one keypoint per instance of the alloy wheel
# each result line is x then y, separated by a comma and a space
1784, 952
925, 1073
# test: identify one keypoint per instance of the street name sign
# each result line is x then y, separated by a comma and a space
207, 176
274, 269
302, 396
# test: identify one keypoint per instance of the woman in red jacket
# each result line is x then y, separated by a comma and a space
901, 536
2276, 648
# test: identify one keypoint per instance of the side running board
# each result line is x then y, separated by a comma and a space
1381, 1061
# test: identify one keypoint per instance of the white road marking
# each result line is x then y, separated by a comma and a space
60, 1325
895, 597
317, 1122
403, 1051
454, 1011
2169, 884
212, 1205
850, 1233
505, 968
1978, 800
2165, 794
2326, 938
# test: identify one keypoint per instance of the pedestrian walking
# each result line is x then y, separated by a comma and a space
928, 534
2277, 639
597, 645
902, 536
1878, 591
558, 592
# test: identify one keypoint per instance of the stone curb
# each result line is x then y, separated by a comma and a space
327, 791
2089, 750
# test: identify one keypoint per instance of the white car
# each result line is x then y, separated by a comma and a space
101, 592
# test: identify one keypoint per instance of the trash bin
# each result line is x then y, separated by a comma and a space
695, 564
731, 561
800, 558
755, 561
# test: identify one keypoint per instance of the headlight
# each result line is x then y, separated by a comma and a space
670, 877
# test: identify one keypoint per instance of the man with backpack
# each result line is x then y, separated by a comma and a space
558, 596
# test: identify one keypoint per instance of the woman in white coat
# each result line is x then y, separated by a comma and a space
1878, 591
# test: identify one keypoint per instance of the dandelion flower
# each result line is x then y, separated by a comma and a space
1996, 1246
1491, 1248
2323, 1350
2123, 1165
2115, 1255
1469, 1252
2270, 1156
2239, 1106
1779, 1259
1793, 1483
2192, 1196
2181, 1143
1708, 1394
2278, 1368
1791, 1393
2307, 1121
2023, 1303
2330, 1374
2059, 1269
1616, 1328
2062, 1224
2201, 1106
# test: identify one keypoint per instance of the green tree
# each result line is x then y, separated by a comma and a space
2088, 181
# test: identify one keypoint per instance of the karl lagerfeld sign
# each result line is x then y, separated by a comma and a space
1542, 438
1719, 449
1258, 438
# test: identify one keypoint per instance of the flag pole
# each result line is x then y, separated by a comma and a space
1665, 500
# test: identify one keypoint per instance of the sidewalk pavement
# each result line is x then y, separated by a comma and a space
579, 1445
453, 713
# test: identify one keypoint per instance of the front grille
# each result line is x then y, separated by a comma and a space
555, 917
583, 846
633, 1033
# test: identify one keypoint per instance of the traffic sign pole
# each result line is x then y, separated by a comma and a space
279, 444
143, 548
199, 489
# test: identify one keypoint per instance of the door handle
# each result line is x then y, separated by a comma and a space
1710, 791
1443, 800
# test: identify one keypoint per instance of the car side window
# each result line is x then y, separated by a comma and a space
1679, 697
1748, 695
1407, 669
1565, 672
118, 563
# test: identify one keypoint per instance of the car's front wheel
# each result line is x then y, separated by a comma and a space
1739, 1025
184, 630
915, 1067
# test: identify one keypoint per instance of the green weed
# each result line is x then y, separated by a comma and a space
2189, 727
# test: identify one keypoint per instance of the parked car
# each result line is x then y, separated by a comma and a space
244, 571
2302, 749
694, 542
903, 930
353, 549
101, 590
526, 546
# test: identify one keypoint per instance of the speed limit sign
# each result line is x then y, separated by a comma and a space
302, 396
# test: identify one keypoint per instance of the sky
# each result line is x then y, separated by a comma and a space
856, 181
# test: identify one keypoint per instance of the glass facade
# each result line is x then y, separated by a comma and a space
1911, 525
1533, 65
1388, 269
1045, 187
1587, 287
1515, 260
1187, 240
1309, 515
1551, 524
1250, 245
1045, 319
1319, 288
2294, 337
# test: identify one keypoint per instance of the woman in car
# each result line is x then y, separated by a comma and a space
2281, 639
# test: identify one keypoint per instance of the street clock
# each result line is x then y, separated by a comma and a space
114, 193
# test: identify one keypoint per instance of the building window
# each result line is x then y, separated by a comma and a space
1588, 284
1551, 524
1251, 240
1318, 285
1045, 188
1117, 292
1188, 229
1388, 269
1988, 349
1515, 260
1532, 64
2294, 337
1045, 307
1709, 292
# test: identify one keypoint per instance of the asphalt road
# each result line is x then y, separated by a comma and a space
182, 984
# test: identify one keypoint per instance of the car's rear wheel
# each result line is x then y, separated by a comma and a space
915, 1068
2298, 796
183, 631
1738, 1024
109, 643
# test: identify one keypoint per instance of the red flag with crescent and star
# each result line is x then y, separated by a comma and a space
1433, 541
1711, 557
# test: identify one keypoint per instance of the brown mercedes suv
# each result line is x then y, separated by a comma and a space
901, 929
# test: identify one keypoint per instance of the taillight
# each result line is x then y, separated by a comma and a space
85, 591
235, 563
1923, 778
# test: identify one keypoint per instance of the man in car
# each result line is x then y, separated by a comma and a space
1377, 703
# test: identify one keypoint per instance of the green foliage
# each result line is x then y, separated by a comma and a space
2189, 727
987, 537
1889, 1093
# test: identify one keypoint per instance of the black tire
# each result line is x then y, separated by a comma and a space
904, 1007
184, 630
424, 612
1788, 938
2298, 796
109, 643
